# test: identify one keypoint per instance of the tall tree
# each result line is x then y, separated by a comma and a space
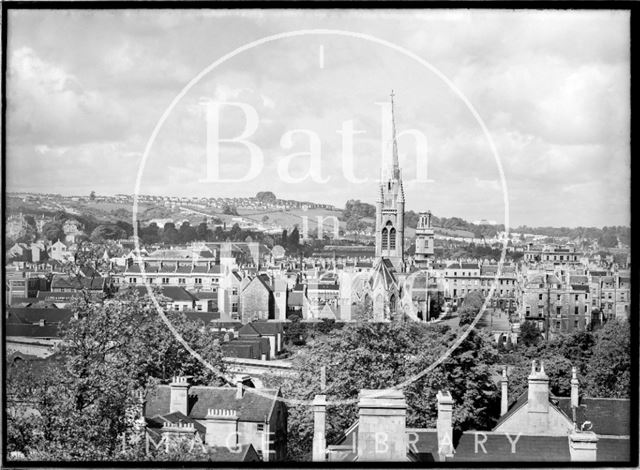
170, 233
609, 368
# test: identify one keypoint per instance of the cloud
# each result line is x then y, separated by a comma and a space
86, 88
48, 106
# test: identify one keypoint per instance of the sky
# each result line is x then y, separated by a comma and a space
524, 114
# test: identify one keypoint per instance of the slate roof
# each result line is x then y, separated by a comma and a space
251, 407
204, 317
174, 293
609, 416
499, 449
61, 281
580, 287
246, 453
295, 298
31, 331
469, 266
382, 273
16, 315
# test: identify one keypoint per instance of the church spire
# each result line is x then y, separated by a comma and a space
395, 163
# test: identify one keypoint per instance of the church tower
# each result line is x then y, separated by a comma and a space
390, 205
424, 241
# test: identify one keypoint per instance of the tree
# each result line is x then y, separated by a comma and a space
284, 240
170, 233
380, 355
293, 241
202, 231
107, 232
529, 333
229, 210
52, 231
108, 351
187, 233
266, 196
150, 234
470, 307
609, 367
92, 196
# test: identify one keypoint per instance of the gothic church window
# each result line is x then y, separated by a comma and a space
392, 239
385, 238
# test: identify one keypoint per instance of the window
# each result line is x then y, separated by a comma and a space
260, 427
392, 239
586, 309
575, 310
199, 307
234, 307
539, 296
576, 324
165, 280
176, 307
559, 297
133, 280
558, 310
528, 312
198, 280
540, 311
385, 239
577, 297
234, 291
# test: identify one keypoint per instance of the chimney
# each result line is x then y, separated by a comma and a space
575, 396
504, 398
319, 428
221, 428
179, 395
141, 399
382, 426
444, 425
538, 399
583, 446
242, 383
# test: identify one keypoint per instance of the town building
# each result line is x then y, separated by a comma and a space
226, 416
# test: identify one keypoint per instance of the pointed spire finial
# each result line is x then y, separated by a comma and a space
395, 164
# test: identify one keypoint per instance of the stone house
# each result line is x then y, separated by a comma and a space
226, 417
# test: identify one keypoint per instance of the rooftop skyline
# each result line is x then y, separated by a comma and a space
86, 88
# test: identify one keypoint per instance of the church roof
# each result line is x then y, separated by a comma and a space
383, 273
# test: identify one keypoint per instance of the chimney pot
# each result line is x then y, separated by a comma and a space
179, 399
444, 425
504, 398
583, 446
575, 388
319, 428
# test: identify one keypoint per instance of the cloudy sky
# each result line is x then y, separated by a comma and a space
85, 90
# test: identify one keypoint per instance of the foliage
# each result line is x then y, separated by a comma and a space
170, 233
358, 209
529, 333
609, 367
380, 355
266, 196
83, 401
107, 232
52, 231
229, 210
470, 307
